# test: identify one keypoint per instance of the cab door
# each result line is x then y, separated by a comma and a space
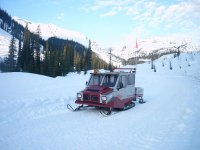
121, 87
130, 89
126, 86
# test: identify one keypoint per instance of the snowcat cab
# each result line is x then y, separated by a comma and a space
110, 90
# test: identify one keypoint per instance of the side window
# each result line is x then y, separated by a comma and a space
131, 79
110, 80
124, 80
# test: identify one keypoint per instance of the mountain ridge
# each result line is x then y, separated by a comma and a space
120, 53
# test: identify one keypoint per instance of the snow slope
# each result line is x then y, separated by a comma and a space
33, 113
51, 30
5, 38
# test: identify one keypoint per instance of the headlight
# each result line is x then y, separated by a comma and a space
79, 95
103, 98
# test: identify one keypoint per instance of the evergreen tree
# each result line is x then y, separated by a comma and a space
178, 52
77, 61
58, 64
88, 58
46, 69
19, 58
2, 65
163, 64
11, 62
69, 57
31, 65
37, 46
152, 64
170, 65
154, 68
26, 57
53, 63
82, 62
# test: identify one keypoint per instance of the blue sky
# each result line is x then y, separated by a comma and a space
111, 22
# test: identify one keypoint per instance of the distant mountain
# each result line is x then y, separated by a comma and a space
148, 46
45, 48
119, 53
51, 30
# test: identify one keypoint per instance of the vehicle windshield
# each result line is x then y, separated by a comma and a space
95, 79
109, 80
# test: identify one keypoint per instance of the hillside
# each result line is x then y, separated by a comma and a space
34, 116
54, 56
51, 30
4, 43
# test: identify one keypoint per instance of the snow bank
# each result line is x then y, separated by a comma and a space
33, 113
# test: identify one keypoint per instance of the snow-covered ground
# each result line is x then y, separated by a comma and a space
33, 114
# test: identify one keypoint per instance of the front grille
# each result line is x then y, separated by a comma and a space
87, 97
94, 98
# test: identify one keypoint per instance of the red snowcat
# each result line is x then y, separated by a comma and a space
110, 90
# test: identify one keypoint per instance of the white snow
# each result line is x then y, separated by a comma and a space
156, 45
33, 114
145, 48
5, 38
51, 30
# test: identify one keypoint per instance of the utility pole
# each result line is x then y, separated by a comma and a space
136, 46
110, 65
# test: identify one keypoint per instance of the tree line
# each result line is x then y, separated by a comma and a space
53, 57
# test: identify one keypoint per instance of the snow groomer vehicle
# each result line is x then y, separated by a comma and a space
110, 90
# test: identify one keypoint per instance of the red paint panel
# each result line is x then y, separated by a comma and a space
91, 103
115, 103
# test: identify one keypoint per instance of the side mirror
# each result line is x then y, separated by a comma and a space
86, 83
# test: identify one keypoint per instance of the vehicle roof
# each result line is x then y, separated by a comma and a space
113, 73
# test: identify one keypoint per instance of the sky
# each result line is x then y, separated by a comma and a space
113, 22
